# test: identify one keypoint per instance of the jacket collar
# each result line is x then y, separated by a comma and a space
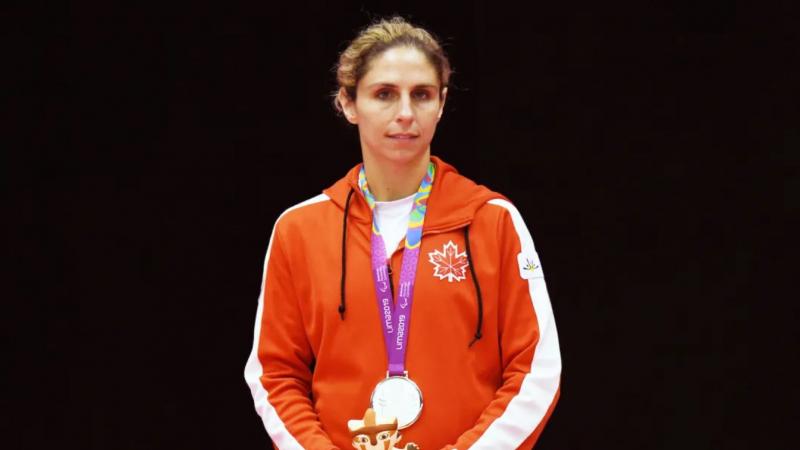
453, 202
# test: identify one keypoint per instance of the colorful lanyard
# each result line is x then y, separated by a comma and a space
396, 318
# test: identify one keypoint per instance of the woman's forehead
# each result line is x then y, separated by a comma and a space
401, 66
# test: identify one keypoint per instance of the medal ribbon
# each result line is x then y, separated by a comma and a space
396, 317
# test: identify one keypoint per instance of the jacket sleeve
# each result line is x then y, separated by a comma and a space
528, 344
278, 369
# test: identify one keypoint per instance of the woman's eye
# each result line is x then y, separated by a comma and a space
384, 95
421, 95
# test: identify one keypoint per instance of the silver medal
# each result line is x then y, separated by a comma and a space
397, 396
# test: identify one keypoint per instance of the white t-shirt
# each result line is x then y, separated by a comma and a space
392, 220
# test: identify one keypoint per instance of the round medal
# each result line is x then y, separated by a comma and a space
399, 397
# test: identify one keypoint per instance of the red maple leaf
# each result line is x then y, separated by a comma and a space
449, 263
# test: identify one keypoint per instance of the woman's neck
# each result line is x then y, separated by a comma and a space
392, 181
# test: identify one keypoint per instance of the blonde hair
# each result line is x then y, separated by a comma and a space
377, 38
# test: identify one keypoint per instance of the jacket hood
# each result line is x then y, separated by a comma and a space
453, 202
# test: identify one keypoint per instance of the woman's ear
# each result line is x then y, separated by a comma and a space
441, 105
348, 106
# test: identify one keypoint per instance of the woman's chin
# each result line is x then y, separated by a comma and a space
399, 154
404, 155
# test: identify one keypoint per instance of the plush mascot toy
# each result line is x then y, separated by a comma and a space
376, 433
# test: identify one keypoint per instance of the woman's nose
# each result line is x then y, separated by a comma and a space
405, 112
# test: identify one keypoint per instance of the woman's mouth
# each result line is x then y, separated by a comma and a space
403, 136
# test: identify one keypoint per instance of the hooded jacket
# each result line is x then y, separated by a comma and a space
482, 347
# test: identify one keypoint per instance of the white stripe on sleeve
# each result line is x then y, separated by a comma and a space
253, 369
527, 409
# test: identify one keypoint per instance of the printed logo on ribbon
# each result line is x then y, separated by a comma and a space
449, 264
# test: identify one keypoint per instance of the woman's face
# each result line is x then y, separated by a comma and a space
397, 105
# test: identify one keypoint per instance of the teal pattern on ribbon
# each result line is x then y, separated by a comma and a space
417, 217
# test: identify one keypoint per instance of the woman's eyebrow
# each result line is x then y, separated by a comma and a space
392, 85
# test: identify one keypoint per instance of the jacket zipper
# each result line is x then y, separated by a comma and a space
391, 280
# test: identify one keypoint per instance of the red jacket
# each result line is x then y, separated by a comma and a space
312, 369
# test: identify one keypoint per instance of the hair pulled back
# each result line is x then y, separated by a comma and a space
377, 38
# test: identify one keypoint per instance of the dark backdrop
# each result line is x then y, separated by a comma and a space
651, 149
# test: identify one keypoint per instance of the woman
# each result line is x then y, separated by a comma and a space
479, 366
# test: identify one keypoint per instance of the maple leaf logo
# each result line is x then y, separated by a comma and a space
449, 263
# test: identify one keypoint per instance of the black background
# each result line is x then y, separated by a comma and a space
652, 149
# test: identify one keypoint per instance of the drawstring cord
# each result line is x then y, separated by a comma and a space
342, 306
478, 334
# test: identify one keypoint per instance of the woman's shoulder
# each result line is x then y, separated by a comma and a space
309, 211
